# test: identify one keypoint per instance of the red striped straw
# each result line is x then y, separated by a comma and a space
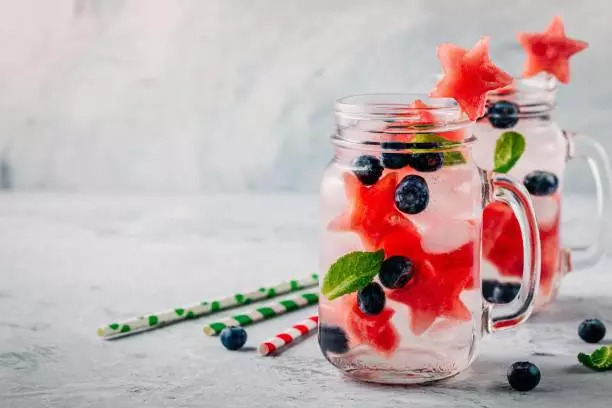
288, 336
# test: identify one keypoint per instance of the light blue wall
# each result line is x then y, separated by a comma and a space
228, 95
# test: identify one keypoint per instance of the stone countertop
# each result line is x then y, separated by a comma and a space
72, 262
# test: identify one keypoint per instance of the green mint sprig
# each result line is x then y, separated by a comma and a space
508, 149
599, 360
351, 272
449, 158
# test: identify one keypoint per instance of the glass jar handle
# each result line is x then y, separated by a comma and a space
580, 146
513, 194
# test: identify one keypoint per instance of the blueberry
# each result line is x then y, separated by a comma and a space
488, 286
395, 272
371, 299
394, 160
412, 194
505, 292
426, 162
503, 114
500, 292
233, 338
367, 169
523, 376
541, 183
333, 338
592, 330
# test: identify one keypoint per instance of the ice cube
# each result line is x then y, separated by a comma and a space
447, 234
547, 210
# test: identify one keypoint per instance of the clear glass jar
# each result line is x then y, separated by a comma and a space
400, 256
527, 108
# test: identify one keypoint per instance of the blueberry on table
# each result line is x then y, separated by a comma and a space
426, 162
371, 299
233, 338
503, 114
395, 272
333, 338
412, 194
367, 169
592, 330
394, 160
523, 376
541, 183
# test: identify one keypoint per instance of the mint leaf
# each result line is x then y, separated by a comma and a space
351, 272
585, 359
599, 360
453, 158
602, 358
508, 149
430, 138
450, 158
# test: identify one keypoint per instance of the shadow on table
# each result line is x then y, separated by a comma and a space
573, 309
557, 376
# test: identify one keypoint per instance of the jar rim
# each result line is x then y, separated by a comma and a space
533, 96
543, 85
401, 147
371, 120
395, 104
411, 111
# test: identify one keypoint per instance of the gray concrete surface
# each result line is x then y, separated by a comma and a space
72, 262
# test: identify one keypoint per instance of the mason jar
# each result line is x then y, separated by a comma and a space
402, 203
520, 119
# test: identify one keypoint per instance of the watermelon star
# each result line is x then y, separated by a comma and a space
432, 294
550, 51
371, 211
438, 282
468, 76
407, 242
377, 331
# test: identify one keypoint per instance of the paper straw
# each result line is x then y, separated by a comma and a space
156, 320
262, 313
288, 336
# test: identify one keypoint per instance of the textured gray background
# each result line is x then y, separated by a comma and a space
228, 95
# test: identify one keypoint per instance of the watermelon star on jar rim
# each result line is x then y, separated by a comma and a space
550, 51
468, 76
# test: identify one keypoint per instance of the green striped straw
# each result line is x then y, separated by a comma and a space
262, 313
156, 320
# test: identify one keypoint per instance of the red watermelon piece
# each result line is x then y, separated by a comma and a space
501, 239
458, 135
420, 115
440, 278
371, 213
424, 113
468, 76
423, 116
502, 245
403, 241
550, 241
550, 51
506, 90
460, 261
438, 282
433, 293
376, 331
